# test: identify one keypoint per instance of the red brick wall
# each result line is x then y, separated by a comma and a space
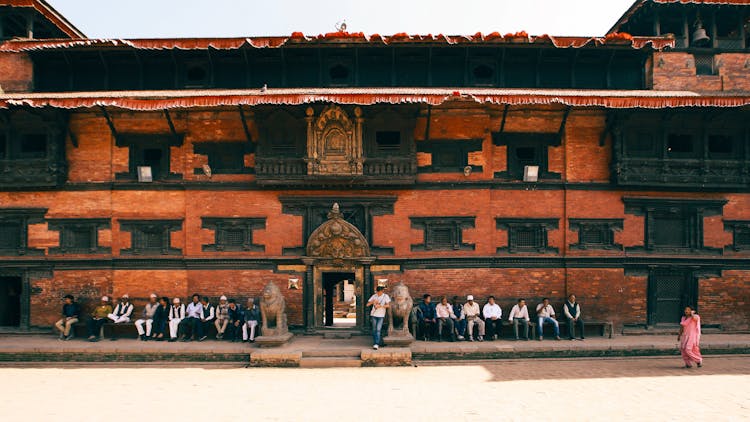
726, 300
16, 72
675, 71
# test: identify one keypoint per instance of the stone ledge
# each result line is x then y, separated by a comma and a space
397, 356
275, 358
273, 341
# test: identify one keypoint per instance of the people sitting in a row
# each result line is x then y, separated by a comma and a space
458, 321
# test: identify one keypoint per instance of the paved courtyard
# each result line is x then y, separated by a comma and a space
541, 389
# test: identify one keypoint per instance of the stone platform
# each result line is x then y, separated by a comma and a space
315, 351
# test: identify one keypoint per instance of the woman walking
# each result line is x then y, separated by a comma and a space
689, 338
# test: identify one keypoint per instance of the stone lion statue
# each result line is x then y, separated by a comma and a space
272, 311
400, 311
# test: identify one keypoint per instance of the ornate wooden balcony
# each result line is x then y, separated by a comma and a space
682, 173
375, 171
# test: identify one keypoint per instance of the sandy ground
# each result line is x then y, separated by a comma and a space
536, 389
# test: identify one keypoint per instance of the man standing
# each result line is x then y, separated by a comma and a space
427, 317
493, 318
445, 318
379, 302
147, 318
572, 312
98, 318
236, 319
70, 312
207, 315
191, 325
122, 311
252, 319
471, 313
176, 315
222, 318
520, 315
546, 313
460, 322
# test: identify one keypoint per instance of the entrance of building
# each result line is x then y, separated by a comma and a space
339, 299
669, 292
10, 301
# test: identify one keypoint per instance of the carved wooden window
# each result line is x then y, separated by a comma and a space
448, 155
642, 144
442, 233
233, 234
151, 151
740, 234
79, 235
596, 233
14, 223
282, 134
150, 237
673, 225
705, 64
225, 157
526, 149
681, 145
527, 235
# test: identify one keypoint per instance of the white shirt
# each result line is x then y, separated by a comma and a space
381, 301
444, 311
492, 310
471, 311
518, 312
545, 311
195, 310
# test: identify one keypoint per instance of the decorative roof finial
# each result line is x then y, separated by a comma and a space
335, 212
341, 26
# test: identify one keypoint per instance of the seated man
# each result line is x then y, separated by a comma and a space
207, 317
493, 318
98, 318
471, 313
520, 315
236, 319
546, 313
147, 318
190, 327
70, 313
573, 314
160, 317
252, 319
221, 317
123, 310
459, 323
427, 317
445, 318
176, 315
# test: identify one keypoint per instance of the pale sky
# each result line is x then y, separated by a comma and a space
237, 18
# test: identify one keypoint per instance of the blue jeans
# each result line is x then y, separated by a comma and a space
552, 321
377, 325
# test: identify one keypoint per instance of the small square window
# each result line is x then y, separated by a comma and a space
704, 64
445, 158
152, 240
441, 237
742, 238
228, 158
669, 231
10, 235
526, 238
33, 145
153, 157
593, 236
79, 238
720, 145
640, 144
388, 141
680, 145
234, 237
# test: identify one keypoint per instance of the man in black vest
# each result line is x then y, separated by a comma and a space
572, 312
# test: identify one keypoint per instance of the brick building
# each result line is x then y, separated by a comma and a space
616, 167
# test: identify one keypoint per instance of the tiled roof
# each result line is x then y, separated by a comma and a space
640, 3
48, 12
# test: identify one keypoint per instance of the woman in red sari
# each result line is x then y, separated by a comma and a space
689, 338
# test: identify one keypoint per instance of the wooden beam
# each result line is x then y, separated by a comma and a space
171, 126
563, 122
110, 123
609, 124
502, 122
244, 124
427, 124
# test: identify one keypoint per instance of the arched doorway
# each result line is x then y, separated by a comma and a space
338, 260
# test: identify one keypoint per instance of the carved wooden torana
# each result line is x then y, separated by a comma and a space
337, 239
334, 142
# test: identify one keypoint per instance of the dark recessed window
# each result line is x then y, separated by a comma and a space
680, 145
442, 233
338, 73
196, 75
527, 156
148, 151
79, 235
233, 234
228, 159
527, 235
3, 147
720, 145
33, 145
483, 74
154, 158
592, 236
447, 158
150, 237
10, 235
669, 230
526, 238
388, 141
596, 233
704, 64
640, 144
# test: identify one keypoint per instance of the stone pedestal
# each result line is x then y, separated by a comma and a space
398, 341
273, 341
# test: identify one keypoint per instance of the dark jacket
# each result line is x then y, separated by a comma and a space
72, 310
427, 311
161, 313
252, 314
236, 314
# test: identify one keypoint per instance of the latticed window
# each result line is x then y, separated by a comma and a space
151, 237
233, 234
527, 235
442, 233
79, 235
596, 233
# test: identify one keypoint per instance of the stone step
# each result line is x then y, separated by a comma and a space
330, 362
662, 331
332, 353
334, 334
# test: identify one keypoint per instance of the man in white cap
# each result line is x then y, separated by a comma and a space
147, 318
176, 315
98, 318
471, 312
222, 317
122, 311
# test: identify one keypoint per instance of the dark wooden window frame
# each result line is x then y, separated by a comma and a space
460, 147
221, 225
541, 141
22, 217
137, 143
540, 227
455, 225
212, 150
739, 229
606, 228
690, 211
139, 229
66, 226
